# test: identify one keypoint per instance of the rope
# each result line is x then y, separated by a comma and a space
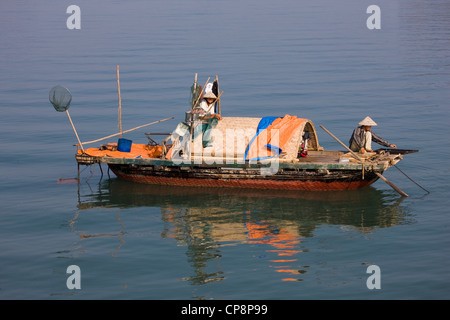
411, 179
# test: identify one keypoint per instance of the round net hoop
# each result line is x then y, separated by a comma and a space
60, 97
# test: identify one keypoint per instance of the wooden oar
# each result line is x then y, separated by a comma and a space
353, 153
391, 184
359, 158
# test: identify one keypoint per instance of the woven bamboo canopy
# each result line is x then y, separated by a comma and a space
232, 136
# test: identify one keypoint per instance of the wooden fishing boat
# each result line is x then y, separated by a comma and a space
278, 153
319, 170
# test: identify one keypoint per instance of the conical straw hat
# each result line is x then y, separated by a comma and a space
368, 122
209, 95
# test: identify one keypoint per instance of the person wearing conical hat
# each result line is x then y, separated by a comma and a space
362, 137
211, 119
207, 103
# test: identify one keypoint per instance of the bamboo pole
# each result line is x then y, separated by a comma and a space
199, 96
74, 130
218, 100
353, 153
120, 102
195, 89
116, 134
191, 127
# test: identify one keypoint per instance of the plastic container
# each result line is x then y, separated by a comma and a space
124, 145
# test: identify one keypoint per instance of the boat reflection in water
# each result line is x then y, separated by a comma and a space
208, 220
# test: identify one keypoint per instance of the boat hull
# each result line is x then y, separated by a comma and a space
320, 171
314, 180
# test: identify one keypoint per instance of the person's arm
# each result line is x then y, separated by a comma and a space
381, 141
211, 116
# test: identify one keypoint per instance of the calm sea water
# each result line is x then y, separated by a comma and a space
315, 59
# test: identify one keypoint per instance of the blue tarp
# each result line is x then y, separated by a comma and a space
262, 125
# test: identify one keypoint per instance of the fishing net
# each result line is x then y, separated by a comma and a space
60, 98
196, 90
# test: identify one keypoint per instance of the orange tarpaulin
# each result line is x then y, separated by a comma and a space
273, 140
137, 150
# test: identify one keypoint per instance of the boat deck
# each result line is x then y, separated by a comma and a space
315, 160
322, 157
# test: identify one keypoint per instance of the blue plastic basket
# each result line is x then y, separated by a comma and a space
124, 145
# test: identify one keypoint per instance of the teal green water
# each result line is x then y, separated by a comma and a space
317, 60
